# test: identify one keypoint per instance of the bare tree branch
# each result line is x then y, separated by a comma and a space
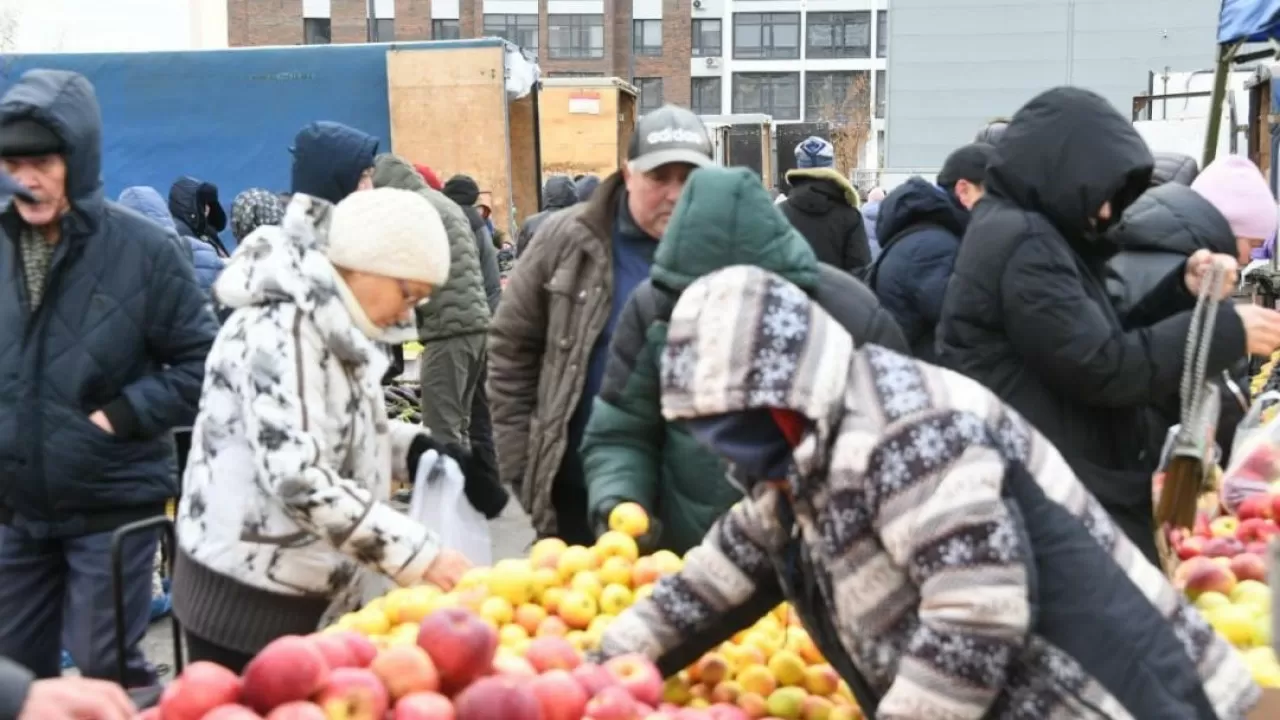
845, 105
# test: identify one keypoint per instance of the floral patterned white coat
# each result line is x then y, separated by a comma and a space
292, 453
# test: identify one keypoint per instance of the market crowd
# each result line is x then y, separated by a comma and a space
929, 420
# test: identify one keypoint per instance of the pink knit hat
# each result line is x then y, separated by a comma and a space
1237, 189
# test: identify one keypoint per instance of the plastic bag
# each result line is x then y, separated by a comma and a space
1255, 456
439, 501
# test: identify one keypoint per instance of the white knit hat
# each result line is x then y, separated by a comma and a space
389, 232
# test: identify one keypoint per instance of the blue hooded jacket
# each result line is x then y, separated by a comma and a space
121, 328
920, 226
148, 202
328, 158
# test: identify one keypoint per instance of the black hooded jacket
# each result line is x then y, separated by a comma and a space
559, 193
823, 206
1027, 313
188, 198
921, 225
328, 159
464, 191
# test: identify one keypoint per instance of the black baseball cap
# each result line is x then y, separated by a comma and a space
670, 134
966, 163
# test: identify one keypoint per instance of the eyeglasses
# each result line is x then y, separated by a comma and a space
411, 299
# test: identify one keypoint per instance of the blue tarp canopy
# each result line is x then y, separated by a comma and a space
1248, 20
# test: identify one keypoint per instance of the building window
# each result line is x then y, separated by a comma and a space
706, 38
575, 37
776, 94
646, 37
880, 88
882, 33
838, 35
445, 30
315, 31
519, 30
650, 93
836, 97
382, 30
705, 95
766, 36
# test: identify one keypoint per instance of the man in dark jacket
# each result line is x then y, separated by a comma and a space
197, 212
22, 697
921, 225
146, 201
630, 453
103, 337
823, 206
1026, 312
557, 194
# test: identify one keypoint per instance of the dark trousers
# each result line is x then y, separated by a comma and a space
199, 649
57, 592
569, 498
480, 433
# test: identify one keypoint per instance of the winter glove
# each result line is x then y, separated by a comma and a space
483, 490
647, 542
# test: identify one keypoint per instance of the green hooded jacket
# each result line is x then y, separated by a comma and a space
460, 307
630, 453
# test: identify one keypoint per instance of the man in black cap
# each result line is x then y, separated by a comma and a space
920, 226
103, 337
550, 338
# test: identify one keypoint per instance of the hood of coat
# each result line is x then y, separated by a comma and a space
328, 159
147, 202
1173, 218
286, 263
918, 201
817, 190
1171, 167
559, 192
65, 103
188, 197
724, 217
1065, 154
744, 339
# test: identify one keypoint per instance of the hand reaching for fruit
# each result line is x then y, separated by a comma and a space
448, 567
631, 519
74, 698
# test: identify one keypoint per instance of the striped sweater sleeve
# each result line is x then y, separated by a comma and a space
962, 547
726, 584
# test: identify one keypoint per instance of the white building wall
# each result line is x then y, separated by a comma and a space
35, 26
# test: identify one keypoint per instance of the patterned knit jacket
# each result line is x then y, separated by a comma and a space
953, 566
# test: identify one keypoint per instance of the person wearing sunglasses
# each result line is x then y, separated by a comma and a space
285, 519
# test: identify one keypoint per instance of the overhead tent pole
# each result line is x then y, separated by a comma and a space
1226, 54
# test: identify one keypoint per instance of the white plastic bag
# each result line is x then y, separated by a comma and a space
440, 503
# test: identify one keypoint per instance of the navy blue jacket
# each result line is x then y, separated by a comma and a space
188, 198
328, 159
146, 201
920, 226
122, 327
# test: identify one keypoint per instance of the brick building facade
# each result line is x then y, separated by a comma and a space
663, 74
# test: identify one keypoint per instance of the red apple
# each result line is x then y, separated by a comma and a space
232, 712
202, 687
639, 676
289, 668
552, 652
1256, 529
513, 666
1275, 505
1191, 547
298, 710
561, 697
460, 644
362, 648
1209, 576
1245, 566
337, 653
1225, 547
406, 669
613, 703
498, 697
594, 678
424, 706
1256, 506
725, 711
354, 694
1257, 547
1201, 527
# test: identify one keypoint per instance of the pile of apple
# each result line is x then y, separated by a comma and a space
549, 609
452, 672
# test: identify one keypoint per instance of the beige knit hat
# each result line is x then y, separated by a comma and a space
392, 233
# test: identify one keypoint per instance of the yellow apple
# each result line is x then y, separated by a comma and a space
617, 544
614, 599
629, 518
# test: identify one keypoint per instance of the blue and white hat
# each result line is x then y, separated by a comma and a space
814, 152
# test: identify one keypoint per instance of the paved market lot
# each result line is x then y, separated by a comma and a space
511, 533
